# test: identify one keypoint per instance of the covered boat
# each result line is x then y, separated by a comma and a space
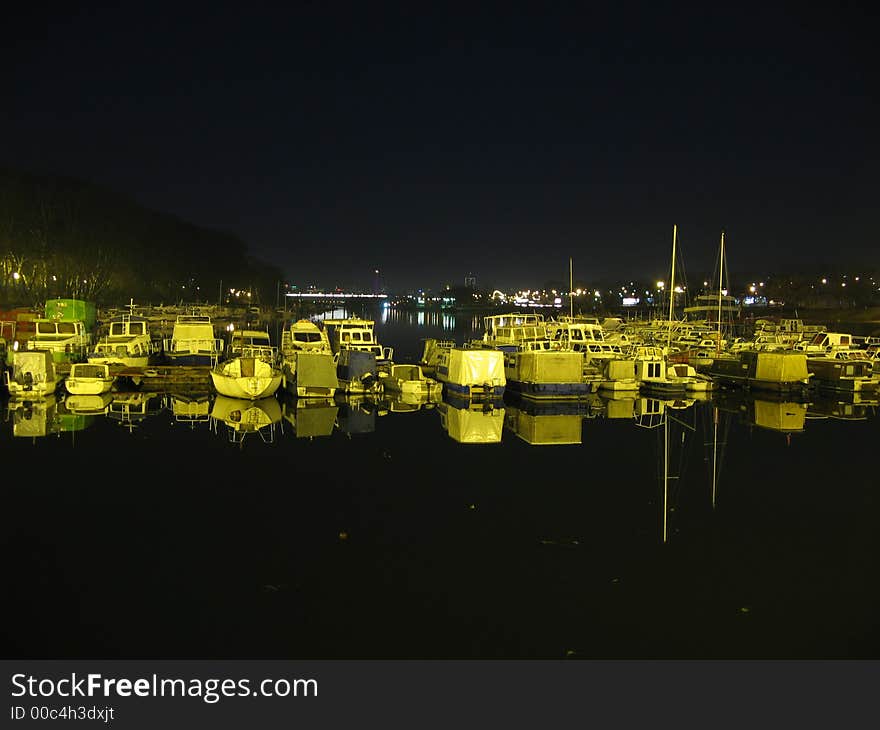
30, 374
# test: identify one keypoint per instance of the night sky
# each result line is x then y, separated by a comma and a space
337, 139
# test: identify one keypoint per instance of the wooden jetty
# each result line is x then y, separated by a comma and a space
159, 377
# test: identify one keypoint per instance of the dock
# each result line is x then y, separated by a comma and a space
159, 377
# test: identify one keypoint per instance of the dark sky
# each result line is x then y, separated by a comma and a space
337, 140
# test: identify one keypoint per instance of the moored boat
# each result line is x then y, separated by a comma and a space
30, 373
127, 344
247, 377
192, 341
307, 364
465, 371
780, 371
834, 373
410, 380
89, 379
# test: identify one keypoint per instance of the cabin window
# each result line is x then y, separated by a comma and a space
345, 337
849, 370
66, 328
356, 336
844, 340
577, 335
117, 329
367, 337
136, 328
46, 328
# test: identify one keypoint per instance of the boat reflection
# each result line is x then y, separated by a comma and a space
35, 418
310, 417
781, 415
189, 408
408, 402
472, 422
88, 405
844, 407
243, 417
545, 423
130, 409
357, 412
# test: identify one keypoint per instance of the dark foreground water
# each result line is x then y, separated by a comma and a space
389, 537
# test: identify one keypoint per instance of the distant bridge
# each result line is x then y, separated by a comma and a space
333, 295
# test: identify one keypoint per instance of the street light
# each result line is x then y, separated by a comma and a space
16, 275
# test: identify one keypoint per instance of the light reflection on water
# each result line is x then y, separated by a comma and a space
739, 526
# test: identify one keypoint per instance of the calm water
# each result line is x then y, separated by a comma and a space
357, 530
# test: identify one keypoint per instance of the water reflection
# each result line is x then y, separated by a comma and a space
130, 409
309, 417
241, 418
472, 422
189, 408
34, 418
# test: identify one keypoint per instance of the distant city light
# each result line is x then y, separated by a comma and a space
660, 284
16, 275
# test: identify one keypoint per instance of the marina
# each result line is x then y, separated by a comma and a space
513, 525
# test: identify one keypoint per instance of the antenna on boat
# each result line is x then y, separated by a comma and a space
131, 306
671, 289
571, 287
718, 343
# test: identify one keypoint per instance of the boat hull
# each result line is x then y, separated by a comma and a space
246, 388
88, 386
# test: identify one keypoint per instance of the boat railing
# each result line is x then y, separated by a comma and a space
194, 346
260, 352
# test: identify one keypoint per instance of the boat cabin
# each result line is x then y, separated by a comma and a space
59, 336
355, 334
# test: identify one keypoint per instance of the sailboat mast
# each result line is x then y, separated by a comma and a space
720, 285
672, 288
571, 286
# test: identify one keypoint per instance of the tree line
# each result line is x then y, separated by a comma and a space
61, 237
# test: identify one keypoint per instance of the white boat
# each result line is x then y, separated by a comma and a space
127, 344
307, 364
251, 343
246, 377
619, 376
67, 340
193, 342
30, 374
650, 371
410, 380
305, 336
356, 334
693, 381
89, 379
358, 354
827, 344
